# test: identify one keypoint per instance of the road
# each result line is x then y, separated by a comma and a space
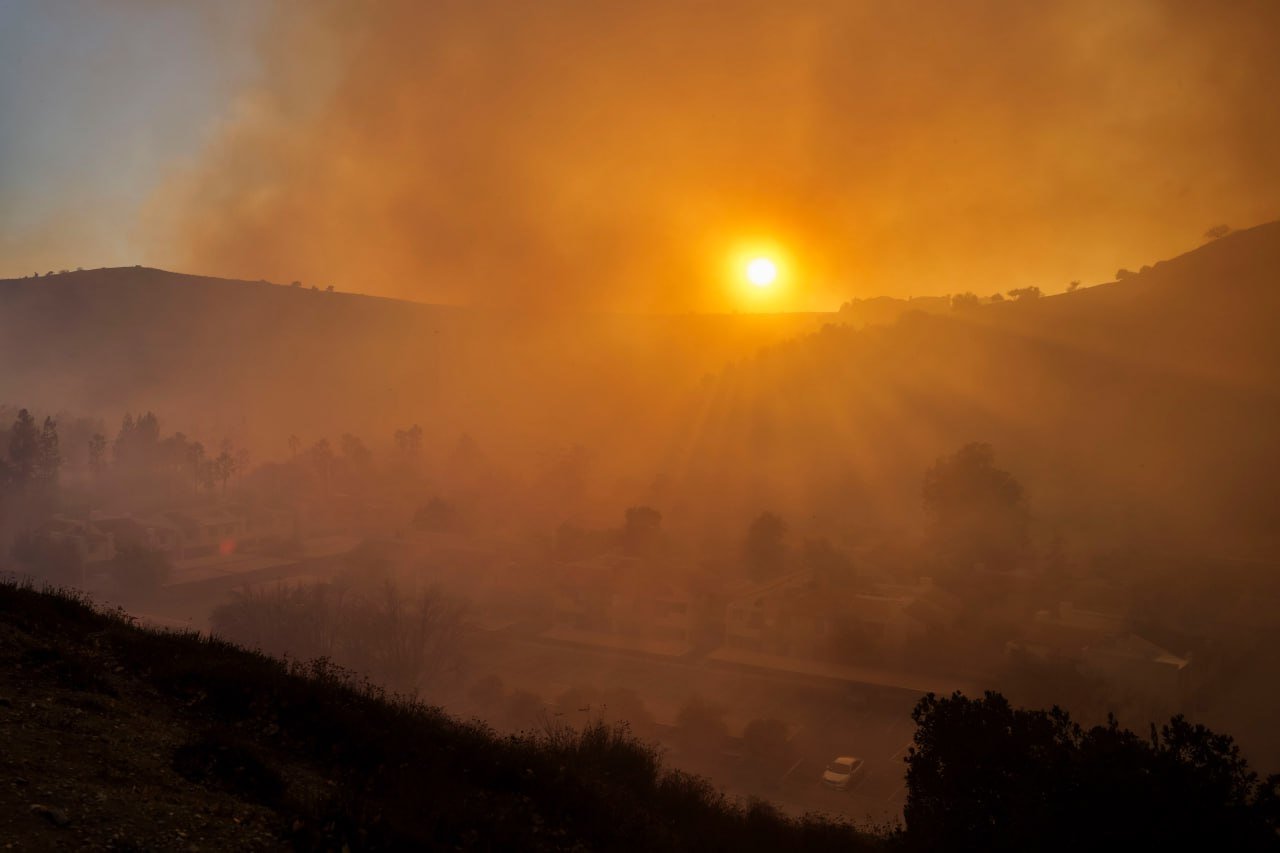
828, 719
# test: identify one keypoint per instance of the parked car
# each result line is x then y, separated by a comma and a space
843, 772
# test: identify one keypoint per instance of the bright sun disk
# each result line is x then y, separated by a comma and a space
761, 272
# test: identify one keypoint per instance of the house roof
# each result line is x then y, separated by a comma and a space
202, 516
1138, 648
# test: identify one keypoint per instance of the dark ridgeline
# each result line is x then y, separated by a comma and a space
991, 454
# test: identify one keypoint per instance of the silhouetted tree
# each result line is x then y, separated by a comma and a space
1073, 286
701, 726
196, 464
409, 441
243, 457
977, 513
964, 301
1217, 232
1021, 293
224, 465
137, 445
48, 456
404, 641
354, 451
24, 449
983, 775
97, 452
294, 444
997, 297
766, 746
765, 549
437, 515
322, 458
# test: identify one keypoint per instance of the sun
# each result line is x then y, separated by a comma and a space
761, 272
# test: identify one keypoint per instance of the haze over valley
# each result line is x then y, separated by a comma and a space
578, 428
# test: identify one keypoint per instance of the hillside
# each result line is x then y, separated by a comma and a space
260, 360
113, 737
117, 738
1141, 409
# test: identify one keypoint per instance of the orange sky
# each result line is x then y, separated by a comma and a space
614, 156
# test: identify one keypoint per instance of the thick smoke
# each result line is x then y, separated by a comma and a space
611, 155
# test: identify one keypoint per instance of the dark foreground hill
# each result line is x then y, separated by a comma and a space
114, 737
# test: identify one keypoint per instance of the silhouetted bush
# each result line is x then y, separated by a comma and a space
984, 775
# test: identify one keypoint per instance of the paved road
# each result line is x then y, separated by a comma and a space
829, 719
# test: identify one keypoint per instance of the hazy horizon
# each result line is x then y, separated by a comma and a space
873, 150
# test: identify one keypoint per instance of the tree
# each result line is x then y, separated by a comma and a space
243, 458
354, 451
137, 445
196, 467
224, 465
701, 726
24, 449
765, 549
983, 775
322, 458
409, 441
1073, 286
437, 515
294, 444
831, 567
977, 513
48, 457
1217, 232
1021, 293
97, 452
767, 746
401, 640
964, 301
997, 297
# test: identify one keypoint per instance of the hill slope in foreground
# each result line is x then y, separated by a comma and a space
115, 737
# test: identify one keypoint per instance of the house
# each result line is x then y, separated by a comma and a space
264, 523
651, 607
1064, 632
1140, 668
619, 595
798, 617
154, 533
761, 617
209, 530
92, 544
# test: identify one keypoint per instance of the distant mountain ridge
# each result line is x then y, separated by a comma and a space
220, 355
1145, 407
